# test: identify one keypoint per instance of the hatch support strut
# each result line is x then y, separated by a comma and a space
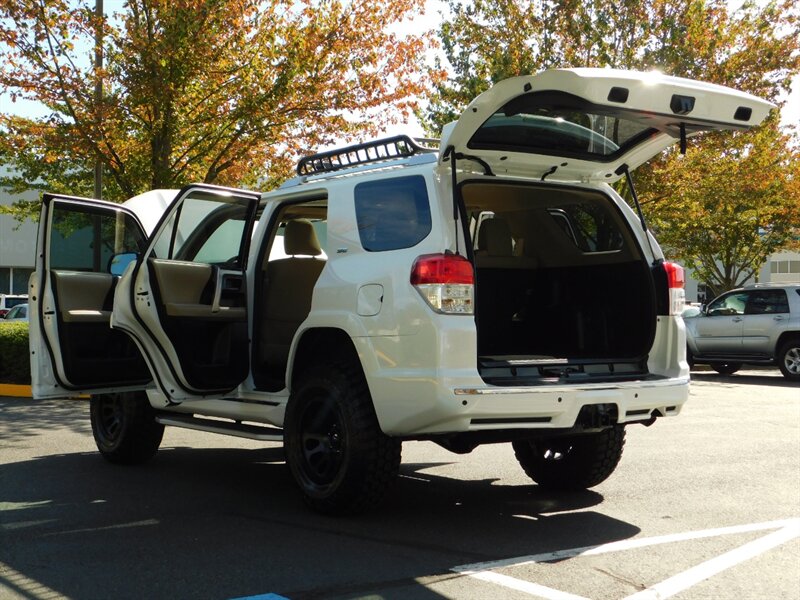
454, 184
623, 168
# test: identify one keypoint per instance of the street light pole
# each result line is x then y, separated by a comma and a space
98, 92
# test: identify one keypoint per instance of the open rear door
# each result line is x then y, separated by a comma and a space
590, 124
185, 301
73, 349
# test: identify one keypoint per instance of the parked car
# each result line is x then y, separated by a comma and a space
494, 289
691, 310
757, 324
18, 313
9, 301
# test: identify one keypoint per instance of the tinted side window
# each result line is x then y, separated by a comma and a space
209, 229
767, 302
590, 227
85, 239
392, 213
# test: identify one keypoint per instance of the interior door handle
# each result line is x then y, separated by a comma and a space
217, 275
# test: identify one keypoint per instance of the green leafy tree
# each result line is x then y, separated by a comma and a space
726, 205
732, 200
756, 48
219, 91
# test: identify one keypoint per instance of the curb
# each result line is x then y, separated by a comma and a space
15, 391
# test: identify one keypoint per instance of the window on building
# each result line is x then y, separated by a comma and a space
20, 279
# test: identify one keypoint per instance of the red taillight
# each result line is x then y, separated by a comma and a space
442, 268
445, 282
675, 282
675, 276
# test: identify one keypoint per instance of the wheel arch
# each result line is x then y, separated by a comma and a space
785, 337
318, 343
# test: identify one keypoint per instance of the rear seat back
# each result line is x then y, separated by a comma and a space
289, 284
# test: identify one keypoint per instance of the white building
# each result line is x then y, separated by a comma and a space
782, 267
17, 245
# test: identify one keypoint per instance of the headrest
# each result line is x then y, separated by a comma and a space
300, 238
494, 237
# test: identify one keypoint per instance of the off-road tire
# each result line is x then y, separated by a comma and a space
726, 368
339, 457
572, 462
124, 427
789, 359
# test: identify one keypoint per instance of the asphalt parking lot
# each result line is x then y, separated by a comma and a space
704, 505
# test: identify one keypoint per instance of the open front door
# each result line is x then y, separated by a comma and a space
73, 348
185, 301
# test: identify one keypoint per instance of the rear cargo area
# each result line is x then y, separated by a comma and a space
562, 289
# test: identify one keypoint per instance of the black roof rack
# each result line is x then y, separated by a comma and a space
398, 146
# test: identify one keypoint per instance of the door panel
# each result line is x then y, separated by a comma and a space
766, 317
73, 347
186, 301
720, 328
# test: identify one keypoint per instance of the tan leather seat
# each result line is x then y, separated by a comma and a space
496, 247
289, 286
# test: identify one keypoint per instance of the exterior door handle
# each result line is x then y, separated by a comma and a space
737, 319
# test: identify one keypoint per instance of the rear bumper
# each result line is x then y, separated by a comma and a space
428, 383
422, 401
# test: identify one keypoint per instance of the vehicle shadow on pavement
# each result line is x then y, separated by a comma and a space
226, 523
22, 418
769, 379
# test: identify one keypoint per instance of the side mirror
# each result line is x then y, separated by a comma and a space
120, 262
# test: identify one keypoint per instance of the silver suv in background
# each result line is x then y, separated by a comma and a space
757, 324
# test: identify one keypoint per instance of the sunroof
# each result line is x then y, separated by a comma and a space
557, 123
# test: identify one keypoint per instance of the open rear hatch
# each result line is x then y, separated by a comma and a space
564, 291
562, 288
587, 124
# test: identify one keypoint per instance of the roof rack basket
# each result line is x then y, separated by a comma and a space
399, 146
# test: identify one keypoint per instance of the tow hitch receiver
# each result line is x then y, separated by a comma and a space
597, 416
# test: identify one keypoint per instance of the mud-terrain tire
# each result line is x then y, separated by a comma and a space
572, 462
726, 368
339, 457
789, 359
124, 427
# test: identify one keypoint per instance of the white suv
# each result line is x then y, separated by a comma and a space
496, 289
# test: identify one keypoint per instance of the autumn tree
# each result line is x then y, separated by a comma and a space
219, 91
727, 204
756, 48
733, 199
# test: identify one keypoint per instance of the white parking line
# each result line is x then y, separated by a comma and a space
678, 583
534, 589
788, 529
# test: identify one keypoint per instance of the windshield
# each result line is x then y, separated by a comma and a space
557, 123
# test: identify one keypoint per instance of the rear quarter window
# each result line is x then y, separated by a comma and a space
392, 213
